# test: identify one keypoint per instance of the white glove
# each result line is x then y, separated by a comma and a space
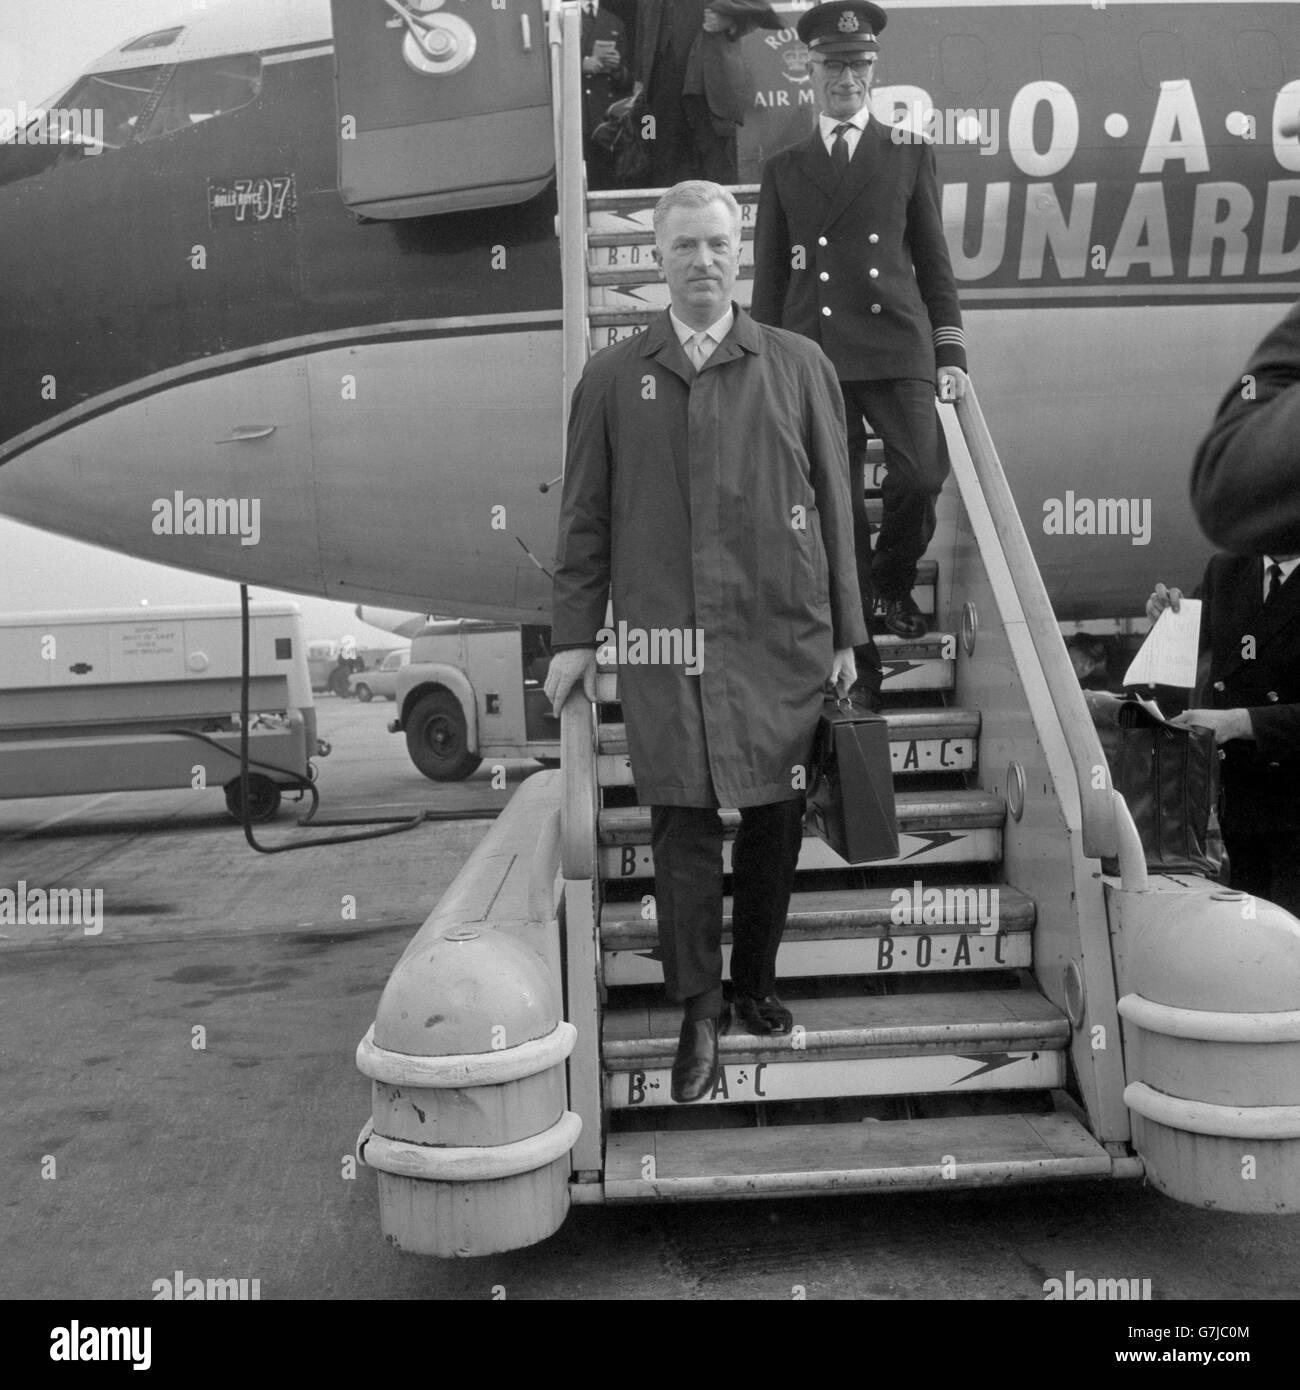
567, 670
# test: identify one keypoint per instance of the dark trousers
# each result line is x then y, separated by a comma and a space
902, 413
672, 151
687, 844
600, 165
715, 154
1266, 866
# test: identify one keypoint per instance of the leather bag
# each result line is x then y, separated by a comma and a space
1169, 777
851, 796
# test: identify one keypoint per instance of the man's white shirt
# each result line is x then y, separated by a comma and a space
851, 137
715, 333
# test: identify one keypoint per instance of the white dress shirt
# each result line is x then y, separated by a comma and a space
714, 333
851, 137
1286, 566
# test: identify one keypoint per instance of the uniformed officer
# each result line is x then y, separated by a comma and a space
849, 250
1250, 628
605, 76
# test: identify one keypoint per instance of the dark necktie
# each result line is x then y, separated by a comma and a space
840, 147
1274, 582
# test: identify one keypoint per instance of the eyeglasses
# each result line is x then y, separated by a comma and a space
833, 68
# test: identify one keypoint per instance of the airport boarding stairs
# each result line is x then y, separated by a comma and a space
521, 1051
925, 1052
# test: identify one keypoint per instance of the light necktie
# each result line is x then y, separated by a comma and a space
1274, 582
840, 147
700, 348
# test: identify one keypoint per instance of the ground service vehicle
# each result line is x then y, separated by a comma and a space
473, 690
1013, 998
113, 701
381, 680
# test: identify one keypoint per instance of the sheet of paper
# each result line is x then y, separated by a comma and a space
1168, 656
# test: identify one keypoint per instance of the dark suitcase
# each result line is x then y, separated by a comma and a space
851, 797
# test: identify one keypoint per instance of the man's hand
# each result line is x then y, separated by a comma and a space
715, 23
1226, 723
844, 671
568, 670
1163, 598
950, 383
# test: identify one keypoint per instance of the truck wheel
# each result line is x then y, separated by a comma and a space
437, 739
364, 693
338, 683
263, 798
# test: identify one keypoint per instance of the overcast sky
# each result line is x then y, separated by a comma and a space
44, 44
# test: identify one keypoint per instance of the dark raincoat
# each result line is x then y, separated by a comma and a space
715, 501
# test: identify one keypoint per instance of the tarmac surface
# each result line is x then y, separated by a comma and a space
179, 1093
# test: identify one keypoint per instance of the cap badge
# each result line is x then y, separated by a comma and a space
849, 22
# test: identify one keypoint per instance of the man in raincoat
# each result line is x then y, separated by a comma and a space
705, 492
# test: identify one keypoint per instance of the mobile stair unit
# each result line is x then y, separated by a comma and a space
1012, 999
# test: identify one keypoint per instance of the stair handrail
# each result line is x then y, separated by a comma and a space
580, 790
564, 34
1101, 837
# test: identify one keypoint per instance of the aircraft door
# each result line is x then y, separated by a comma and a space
443, 105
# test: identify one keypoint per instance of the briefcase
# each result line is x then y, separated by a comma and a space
1170, 778
851, 794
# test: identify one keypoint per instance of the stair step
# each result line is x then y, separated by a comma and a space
952, 827
616, 260
866, 1045
920, 740
649, 298
853, 932
872, 1156
620, 290
923, 664
625, 209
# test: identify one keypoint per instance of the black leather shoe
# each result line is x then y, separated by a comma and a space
695, 1068
766, 1015
904, 619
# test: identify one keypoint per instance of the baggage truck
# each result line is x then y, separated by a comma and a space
146, 699
473, 690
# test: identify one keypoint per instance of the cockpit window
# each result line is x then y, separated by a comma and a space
110, 110
160, 38
120, 97
211, 87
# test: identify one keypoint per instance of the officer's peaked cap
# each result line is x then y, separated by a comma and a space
849, 26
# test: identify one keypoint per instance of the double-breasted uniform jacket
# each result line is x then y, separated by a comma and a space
1246, 479
859, 263
714, 501
1261, 779
601, 89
